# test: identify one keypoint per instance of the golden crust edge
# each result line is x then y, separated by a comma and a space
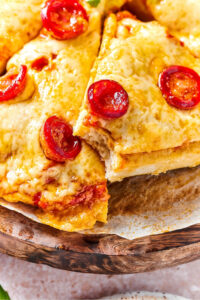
97, 214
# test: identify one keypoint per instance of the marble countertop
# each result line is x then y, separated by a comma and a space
27, 281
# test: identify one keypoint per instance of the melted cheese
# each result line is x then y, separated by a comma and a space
20, 22
134, 54
181, 18
58, 90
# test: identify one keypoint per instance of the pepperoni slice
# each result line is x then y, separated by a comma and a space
65, 19
180, 87
57, 140
108, 99
11, 85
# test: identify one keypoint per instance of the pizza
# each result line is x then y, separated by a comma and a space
141, 108
42, 163
20, 22
80, 107
180, 17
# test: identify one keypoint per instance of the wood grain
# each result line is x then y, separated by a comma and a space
110, 254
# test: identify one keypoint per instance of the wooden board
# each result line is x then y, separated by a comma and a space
107, 254
110, 254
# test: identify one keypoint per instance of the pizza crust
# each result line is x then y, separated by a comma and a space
20, 22
180, 17
152, 137
57, 89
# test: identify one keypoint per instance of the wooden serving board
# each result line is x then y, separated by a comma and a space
103, 254
110, 254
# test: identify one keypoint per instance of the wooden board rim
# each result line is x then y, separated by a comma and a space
99, 254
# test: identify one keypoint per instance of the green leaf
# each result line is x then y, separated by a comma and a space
93, 3
3, 294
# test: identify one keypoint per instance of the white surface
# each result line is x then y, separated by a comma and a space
26, 281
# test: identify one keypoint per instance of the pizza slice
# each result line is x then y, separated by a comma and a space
180, 17
20, 22
42, 163
141, 108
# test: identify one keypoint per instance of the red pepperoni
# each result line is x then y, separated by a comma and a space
65, 19
11, 85
40, 63
108, 99
180, 87
57, 140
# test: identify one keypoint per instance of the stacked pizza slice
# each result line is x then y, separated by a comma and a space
73, 116
42, 163
141, 108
